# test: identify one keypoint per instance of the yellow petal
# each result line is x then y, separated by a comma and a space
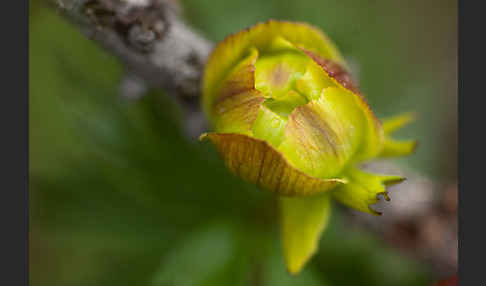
322, 135
334, 71
313, 81
286, 103
276, 74
302, 221
239, 79
269, 126
236, 113
236, 47
374, 139
256, 161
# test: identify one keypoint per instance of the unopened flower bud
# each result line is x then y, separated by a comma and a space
287, 116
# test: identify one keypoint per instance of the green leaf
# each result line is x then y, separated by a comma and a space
302, 222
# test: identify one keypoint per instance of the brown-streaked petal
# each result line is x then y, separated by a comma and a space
375, 139
236, 113
241, 78
334, 70
322, 136
256, 161
235, 105
233, 48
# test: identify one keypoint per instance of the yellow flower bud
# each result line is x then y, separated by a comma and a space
287, 117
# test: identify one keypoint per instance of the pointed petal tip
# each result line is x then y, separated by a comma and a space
294, 269
393, 181
294, 264
394, 123
397, 148
303, 221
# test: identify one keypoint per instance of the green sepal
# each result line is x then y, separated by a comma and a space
393, 147
363, 189
302, 221
396, 148
394, 123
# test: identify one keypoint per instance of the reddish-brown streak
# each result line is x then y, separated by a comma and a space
298, 127
238, 85
339, 74
334, 70
240, 157
279, 76
254, 101
270, 163
312, 119
262, 164
295, 184
282, 169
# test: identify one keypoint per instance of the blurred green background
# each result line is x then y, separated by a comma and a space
118, 196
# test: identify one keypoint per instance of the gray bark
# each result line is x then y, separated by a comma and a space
157, 48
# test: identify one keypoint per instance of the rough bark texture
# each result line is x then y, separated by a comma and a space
159, 50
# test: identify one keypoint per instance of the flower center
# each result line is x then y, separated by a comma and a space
276, 75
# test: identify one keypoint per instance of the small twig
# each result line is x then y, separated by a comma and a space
158, 49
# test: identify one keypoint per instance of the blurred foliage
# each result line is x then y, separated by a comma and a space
119, 197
